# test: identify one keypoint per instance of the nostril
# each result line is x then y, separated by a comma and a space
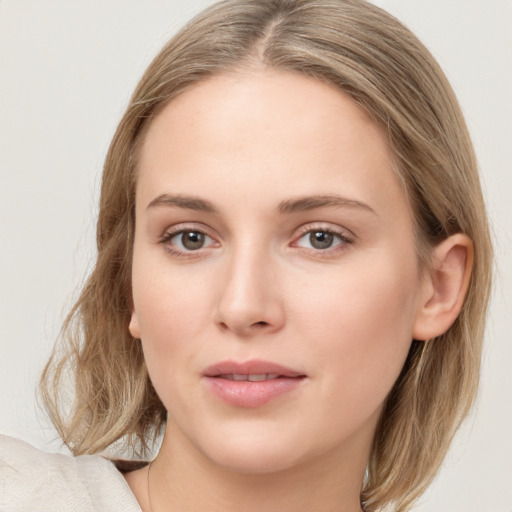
261, 324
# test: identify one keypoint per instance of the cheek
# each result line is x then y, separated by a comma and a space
172, 313
361, 321
168, 299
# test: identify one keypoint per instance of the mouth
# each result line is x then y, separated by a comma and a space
251, 384
254, 370
258, 377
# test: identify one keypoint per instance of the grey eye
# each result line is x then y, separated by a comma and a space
191, 240
321, 239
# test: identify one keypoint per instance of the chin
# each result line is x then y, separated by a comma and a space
252, 452
255, 460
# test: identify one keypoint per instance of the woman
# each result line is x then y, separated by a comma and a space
292, 275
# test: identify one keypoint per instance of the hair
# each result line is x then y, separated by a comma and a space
370, 56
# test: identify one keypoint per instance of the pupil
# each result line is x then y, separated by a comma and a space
321, 239
193, 240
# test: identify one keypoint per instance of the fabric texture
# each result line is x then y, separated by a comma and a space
35, 481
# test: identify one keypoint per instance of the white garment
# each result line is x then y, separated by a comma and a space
35, 481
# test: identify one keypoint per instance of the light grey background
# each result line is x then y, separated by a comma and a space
67, 69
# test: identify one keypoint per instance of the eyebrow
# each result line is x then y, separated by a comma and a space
287, 207
187, 202
302, 204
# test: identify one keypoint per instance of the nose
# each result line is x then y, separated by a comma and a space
250, 300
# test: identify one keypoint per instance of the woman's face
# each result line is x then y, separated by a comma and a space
275, 280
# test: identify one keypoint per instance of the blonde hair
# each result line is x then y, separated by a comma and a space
372, 57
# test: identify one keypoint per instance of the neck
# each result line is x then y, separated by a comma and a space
182, 479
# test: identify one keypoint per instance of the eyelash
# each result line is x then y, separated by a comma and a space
344, 240
166, 238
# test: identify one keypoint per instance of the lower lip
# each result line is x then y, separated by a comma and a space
251, 394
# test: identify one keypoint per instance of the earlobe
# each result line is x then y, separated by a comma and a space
445, 287
134, 325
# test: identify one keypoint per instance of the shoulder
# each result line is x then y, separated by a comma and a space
31, 479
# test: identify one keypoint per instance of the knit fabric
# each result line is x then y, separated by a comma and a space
35, 481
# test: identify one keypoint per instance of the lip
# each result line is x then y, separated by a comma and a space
255, 366
251, 394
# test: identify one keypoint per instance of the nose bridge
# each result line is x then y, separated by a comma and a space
249, 299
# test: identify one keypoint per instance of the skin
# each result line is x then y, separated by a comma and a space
250, 144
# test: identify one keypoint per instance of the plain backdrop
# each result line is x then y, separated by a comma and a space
67, 69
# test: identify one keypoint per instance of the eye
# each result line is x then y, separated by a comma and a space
321, 240
187, 240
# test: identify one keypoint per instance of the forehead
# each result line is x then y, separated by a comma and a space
277, 132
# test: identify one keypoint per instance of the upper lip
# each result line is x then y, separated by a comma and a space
253, 367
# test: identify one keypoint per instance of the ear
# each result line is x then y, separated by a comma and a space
134, 325
445, 287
